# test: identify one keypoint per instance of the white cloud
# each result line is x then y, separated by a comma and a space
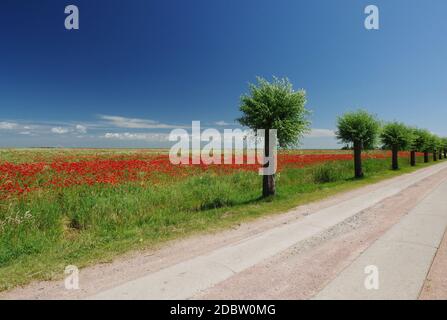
135, 123
25, 133
320, 139
8, 125
81, 129
222, 123
320, 133
137, 136
59, 130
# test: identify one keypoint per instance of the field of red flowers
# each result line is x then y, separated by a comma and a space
42, 170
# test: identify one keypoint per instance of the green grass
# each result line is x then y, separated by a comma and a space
46, 231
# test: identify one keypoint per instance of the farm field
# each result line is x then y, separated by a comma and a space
81, 206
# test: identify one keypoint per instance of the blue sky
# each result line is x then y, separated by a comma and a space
136, 69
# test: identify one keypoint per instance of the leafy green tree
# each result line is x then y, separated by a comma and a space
397, 137
444, 147
429, 145
421, 143
432, 146
439, 147
361, 129
275, 105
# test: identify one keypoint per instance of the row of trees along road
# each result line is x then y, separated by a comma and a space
276, 105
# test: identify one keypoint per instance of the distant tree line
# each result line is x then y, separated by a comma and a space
364, 131
276, 105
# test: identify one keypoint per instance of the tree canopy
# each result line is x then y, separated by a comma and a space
276, 105
421, 140
358, 126
439, 144
396, 135
444, 142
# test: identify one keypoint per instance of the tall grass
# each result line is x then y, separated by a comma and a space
332, 171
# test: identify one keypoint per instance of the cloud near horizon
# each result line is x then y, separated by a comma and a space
96, 133
59, 130
8, 125
136, 123
321, 133
136, 136
222, 123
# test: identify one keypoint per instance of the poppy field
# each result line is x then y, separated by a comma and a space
61, 206
65, 170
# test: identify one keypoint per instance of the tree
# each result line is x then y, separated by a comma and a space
435, 142
444, 147
421, 143
361, 129
439, 147
397, 137
431, 146
275, 105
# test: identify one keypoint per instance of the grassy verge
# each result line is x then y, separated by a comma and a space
44, 232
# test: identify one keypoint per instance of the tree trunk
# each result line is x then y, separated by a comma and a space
413, 158
425, 156
268, 181
395, 156
445, 153
440, 154
358, 159
435, 158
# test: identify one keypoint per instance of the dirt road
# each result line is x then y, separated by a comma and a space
301, 254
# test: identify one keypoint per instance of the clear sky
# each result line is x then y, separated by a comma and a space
136, 69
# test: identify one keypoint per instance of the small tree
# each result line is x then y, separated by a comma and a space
435, 142
397, 137
361, 129
275, 105
431, 144
421, 141
444, 147
439, 147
